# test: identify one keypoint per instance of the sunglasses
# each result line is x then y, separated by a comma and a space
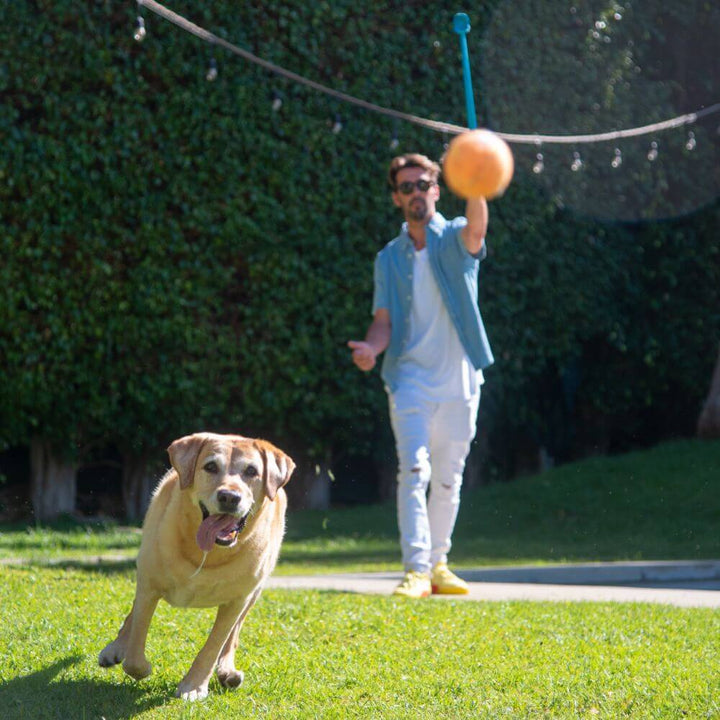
407, 187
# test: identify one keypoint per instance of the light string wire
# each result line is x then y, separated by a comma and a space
449, 128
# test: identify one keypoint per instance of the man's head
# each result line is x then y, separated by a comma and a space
414, 182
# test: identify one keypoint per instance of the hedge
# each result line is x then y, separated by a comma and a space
180, 255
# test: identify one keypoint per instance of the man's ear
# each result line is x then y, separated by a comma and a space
277, 467
183, 456
396, 200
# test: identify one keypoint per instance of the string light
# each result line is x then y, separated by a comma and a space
539, 165
212, 72
444, 127
140, 32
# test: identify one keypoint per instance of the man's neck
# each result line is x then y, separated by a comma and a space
417, 232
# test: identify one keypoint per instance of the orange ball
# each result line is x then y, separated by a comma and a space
478, 163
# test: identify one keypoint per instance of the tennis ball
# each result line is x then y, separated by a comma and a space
478, 163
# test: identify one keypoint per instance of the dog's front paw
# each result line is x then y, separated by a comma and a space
191, 692
230, 677
111, 655
137, 669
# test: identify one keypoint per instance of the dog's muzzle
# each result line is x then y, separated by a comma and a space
219, 529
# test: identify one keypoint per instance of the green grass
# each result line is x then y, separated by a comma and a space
663, 503
331, 655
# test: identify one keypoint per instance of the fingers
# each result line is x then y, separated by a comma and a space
364, 362
362, 355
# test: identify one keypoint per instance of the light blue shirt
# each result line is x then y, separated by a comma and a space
456, 273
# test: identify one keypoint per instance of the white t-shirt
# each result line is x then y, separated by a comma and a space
434, 359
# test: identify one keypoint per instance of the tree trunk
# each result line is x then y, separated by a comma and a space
52, 482
709, 420
137, 486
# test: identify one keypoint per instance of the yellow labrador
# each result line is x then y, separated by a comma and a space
211, 537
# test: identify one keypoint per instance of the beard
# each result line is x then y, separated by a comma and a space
417, 210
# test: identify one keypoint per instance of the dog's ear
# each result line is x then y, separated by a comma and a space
277, 467
183, 456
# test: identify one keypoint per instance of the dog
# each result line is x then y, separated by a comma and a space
211, 537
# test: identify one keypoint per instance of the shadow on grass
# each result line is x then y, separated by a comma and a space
42, 695
105, 566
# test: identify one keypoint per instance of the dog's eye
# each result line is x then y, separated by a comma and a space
211, 467
251, 471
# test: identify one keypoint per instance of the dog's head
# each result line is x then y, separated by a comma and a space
229, 477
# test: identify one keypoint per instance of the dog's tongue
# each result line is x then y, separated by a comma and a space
213, 527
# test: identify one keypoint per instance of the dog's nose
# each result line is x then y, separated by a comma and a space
228, 500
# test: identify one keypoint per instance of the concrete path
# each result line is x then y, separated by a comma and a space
684, 584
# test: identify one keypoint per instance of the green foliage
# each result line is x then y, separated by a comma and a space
601, 67
178, 255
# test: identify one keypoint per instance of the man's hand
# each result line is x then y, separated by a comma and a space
363, 354
376, 341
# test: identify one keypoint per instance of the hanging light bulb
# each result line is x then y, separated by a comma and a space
337, 125
653, 152
577, 162
277, 101
691, 143
539, 165
140, 32
617, 160
395, 142
212, 72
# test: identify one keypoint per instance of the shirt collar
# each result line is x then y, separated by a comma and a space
436, 225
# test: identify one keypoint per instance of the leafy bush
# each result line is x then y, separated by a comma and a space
179, 255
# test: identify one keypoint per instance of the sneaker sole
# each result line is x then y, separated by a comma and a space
449, 591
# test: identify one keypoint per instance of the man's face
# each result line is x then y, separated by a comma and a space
417, 205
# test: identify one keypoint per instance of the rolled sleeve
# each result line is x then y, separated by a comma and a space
380, 291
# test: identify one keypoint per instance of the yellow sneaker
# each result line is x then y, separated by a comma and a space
414, 585
445, 582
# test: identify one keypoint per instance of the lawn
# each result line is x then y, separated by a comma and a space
331, 655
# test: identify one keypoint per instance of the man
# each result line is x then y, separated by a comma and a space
426, 320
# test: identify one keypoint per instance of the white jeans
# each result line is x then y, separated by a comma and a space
432, 441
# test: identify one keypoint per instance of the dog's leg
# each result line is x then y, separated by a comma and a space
135, 663
114, 652
228, 676
194, 686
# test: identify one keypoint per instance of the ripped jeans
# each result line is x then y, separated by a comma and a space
432, 440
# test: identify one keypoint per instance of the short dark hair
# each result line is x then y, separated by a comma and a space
410, 160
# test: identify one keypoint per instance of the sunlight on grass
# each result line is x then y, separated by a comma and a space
328, 655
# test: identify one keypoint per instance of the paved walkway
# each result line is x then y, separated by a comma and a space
685, 584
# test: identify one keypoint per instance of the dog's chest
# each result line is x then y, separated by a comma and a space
213, 586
